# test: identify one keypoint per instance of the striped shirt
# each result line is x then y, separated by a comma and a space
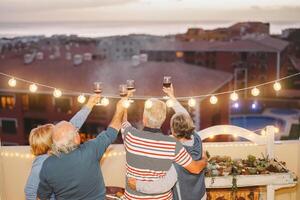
149, 156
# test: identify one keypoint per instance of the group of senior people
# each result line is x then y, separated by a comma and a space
158, 167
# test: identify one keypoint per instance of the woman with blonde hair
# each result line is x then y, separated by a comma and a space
40, 140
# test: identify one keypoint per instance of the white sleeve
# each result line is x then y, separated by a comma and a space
178, 108
161, 185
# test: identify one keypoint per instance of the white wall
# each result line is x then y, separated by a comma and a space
16, 167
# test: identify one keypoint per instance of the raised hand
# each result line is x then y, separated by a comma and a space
169, 91
93, 100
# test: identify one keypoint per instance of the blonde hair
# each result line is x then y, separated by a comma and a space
40, 139
156, 114
182, 126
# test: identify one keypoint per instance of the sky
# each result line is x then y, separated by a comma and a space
148, 10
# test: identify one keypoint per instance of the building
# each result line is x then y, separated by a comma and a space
252, 59
20, 111
122, 48
235, 31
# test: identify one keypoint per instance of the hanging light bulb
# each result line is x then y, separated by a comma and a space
234, 96
192, 102
213, 99
104, 101
255, 92
170, 103
12, 82
126, 104
33, 88
57, 93
277, 86
148, 104
81, 98
276, 129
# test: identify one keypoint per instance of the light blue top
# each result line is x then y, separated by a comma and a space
34, 178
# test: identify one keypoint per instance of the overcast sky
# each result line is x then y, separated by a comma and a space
164, 10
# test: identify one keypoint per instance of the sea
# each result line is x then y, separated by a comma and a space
111, 28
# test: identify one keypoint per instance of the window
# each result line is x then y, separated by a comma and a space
63, 104
7, 101
30, 123
34, 102
8, 126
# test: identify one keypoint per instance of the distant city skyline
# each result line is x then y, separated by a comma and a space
146, 10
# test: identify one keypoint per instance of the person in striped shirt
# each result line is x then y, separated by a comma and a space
150, 154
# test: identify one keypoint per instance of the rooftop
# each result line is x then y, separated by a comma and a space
250, 44
188, 79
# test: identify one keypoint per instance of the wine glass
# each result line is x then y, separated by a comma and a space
130, 87
123, 90
167, 81
98, 90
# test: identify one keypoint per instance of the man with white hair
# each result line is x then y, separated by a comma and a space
73, 171
150, 153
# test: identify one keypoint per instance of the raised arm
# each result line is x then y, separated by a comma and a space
177, 107
79, 118
159, 186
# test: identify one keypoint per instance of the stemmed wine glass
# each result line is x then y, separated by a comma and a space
130, 87
98, 90
167, 83
123, 90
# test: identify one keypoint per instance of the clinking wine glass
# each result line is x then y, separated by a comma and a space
98, 90
130, 87
123, 90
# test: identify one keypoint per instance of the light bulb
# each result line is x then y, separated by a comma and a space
277, 86
104, 101
213, 100
192, 102
12, 82
57, 93
126, 104
236, 105
33, 88
170, 103
234, 96
148, 104
263, 132
255, 92
81, 98
276, 129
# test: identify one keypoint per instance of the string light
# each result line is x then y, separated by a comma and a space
234, 96
81, 98
276, 129
277, 86
170, 103
213, 99
12, 82
104, 101
255, 92
126, 103
57, 93
148, 104
33, 88
192, 102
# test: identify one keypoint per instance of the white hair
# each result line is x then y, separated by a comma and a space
65, 142
156, 114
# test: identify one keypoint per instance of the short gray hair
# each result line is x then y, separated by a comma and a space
66, 145
156, 114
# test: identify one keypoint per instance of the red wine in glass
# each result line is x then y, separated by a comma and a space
97, 87
123, 90
130, 85
167, 81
